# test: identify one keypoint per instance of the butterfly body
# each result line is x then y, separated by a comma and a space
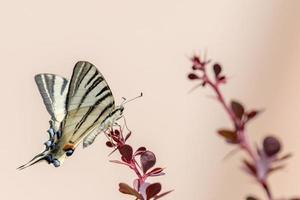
110, 120
79, 110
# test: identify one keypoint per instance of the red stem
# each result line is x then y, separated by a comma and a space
244, 141
135, 169
132, 164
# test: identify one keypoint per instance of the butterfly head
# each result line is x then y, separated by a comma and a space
118, 112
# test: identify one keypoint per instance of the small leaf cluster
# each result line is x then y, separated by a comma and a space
141, 161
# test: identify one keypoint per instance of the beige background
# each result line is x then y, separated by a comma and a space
144, 46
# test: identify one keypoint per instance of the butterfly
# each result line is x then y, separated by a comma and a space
80, 109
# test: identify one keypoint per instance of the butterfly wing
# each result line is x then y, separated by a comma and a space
53, 90
89, 103
90, 138
82, 107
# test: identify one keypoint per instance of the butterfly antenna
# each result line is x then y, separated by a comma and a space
126, 101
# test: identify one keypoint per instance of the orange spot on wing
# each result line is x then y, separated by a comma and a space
69, 146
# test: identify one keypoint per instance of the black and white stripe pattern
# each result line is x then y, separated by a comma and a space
77, 107
54, 90
89, 102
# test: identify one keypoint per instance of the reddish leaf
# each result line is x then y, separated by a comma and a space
271, 145
193, 76
162, 194
140, 150
118, 162
126, 189
194, 67
230, 136
273, 169
109, 144
252, 114
251, 168
126, 152
115, 138
287, 156
148, 160
251, 198
127, 136
117, 132
222, 79
237, 109
196, 60
155, 171
153, 190
217, 69
197, 64
110, 133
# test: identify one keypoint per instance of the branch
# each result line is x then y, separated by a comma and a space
263, 160
143, 169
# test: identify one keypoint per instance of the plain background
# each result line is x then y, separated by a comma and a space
145, 46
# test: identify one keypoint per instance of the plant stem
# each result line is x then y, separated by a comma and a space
240, 128
135, 169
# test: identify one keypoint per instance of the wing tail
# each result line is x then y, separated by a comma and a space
38, 158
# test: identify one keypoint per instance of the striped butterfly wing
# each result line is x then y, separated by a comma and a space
89, 103
53, 90
78, 109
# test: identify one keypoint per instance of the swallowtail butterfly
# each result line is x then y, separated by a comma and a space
80, 109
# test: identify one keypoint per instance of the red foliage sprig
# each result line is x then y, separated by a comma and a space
263, 159
141, 161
